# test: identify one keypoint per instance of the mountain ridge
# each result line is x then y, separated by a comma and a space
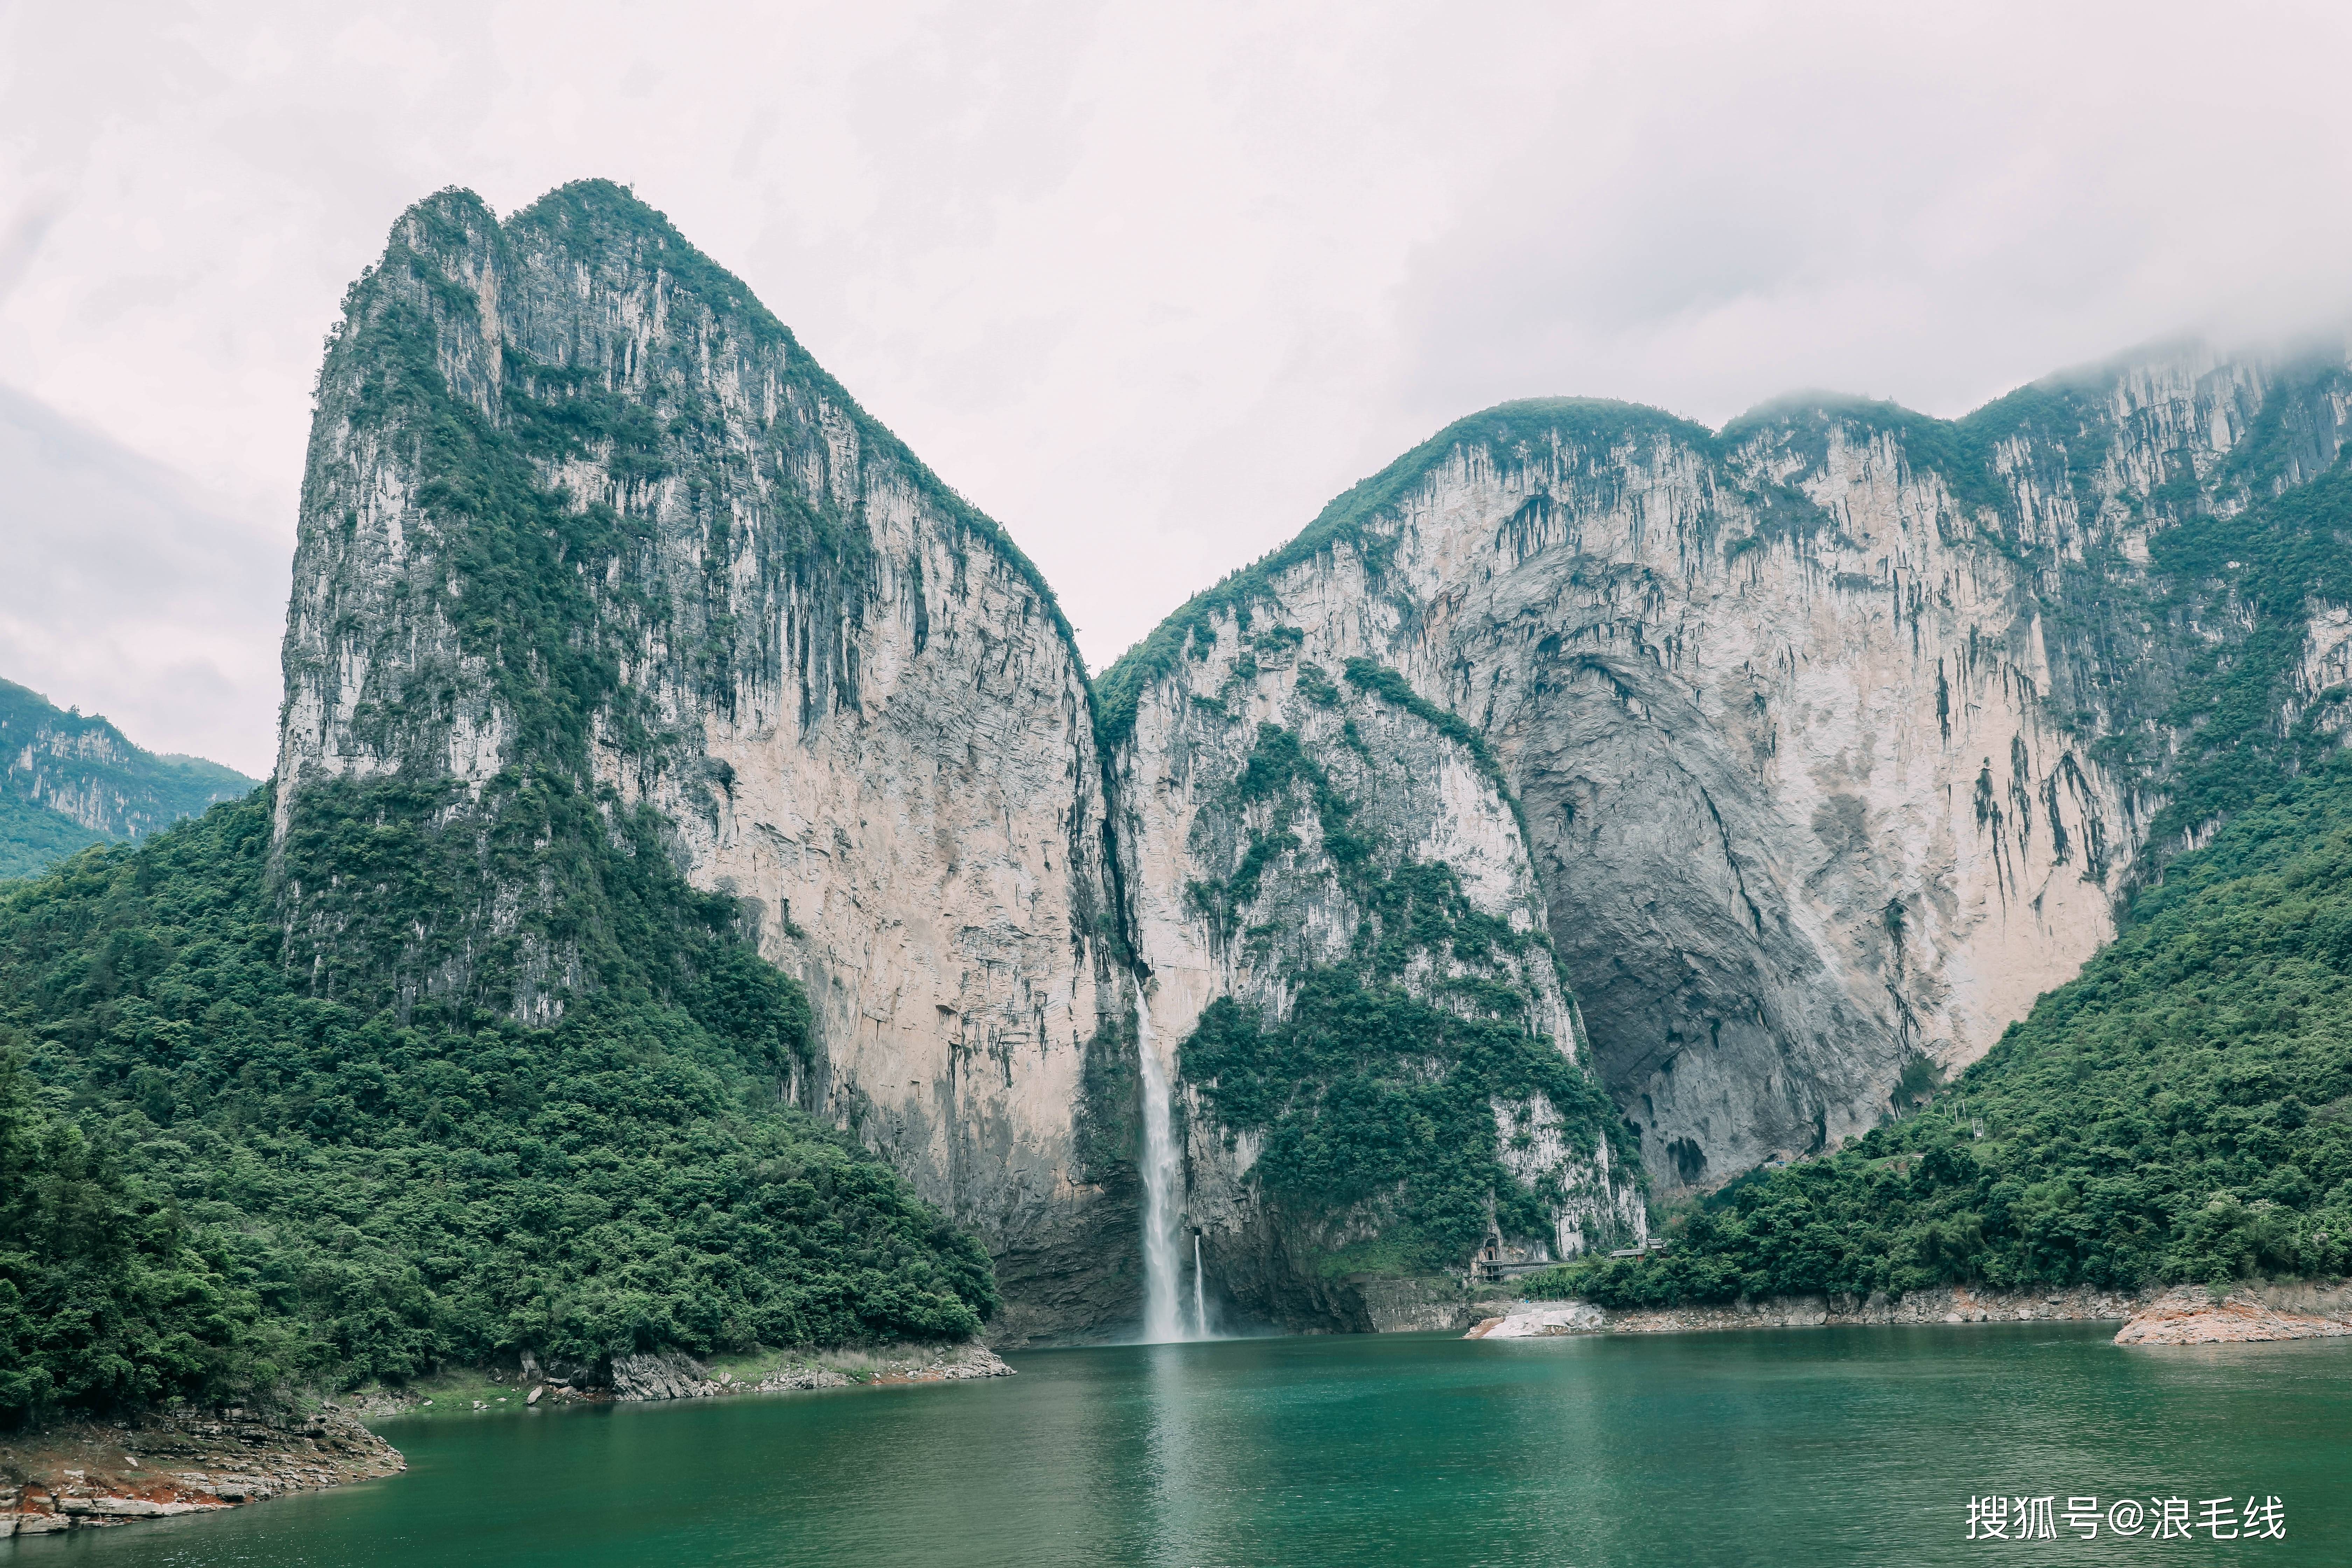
70, 780
1549, 547
1381, 487
1584, 810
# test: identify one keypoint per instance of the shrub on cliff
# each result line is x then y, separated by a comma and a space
1376, 1093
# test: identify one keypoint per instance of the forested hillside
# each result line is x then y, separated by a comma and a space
33, 836
216, 1183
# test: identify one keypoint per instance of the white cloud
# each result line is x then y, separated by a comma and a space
127, 594
1150, 284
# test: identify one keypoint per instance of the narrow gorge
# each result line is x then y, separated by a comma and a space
581, 515
1589, 803
695, 838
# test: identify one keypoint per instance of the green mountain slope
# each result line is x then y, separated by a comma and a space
70, 780
33, 836
229, 1182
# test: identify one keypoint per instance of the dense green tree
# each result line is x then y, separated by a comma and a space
103, 1302
217, 1182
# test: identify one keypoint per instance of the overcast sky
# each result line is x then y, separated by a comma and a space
1148, 283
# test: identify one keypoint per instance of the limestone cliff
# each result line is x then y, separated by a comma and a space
586, 532
1349, 966
1760, 775
1836, 733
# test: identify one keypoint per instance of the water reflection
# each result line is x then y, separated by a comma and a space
1832, 1447
1177, 1491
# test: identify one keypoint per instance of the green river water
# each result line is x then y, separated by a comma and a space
1835, 1446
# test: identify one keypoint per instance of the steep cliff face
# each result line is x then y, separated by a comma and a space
1760, 775
1349, 974
68, 780
1836, 733
587, 540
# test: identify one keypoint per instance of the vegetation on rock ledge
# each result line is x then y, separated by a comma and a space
1375, 1093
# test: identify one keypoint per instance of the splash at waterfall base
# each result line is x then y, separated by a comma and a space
1164, 1319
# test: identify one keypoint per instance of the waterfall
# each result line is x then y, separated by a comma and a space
1200, 1296
1162, 1171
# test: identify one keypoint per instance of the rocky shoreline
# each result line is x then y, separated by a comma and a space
2183, 1315
2191, 1315
1957, 1304
83, 1475
641, 1379
683, 1377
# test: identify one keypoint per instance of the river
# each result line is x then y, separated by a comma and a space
1835, 1446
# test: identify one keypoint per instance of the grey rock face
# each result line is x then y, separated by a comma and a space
1260, 803
1805, 717
671, 1376
850, 698
1817, 747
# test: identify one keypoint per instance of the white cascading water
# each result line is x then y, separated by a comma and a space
1200, 1296
1162, 1321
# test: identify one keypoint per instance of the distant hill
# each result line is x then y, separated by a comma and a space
70, 780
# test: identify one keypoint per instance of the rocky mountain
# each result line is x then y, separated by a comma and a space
586, 533
2176, 1113
1835, 734
1759, 777
70, 780
430, 1052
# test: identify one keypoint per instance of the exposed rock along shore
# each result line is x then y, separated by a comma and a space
649, 1377
83, 1475
641, 1379
1957, 1304
2189, 1316
2185, 1315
